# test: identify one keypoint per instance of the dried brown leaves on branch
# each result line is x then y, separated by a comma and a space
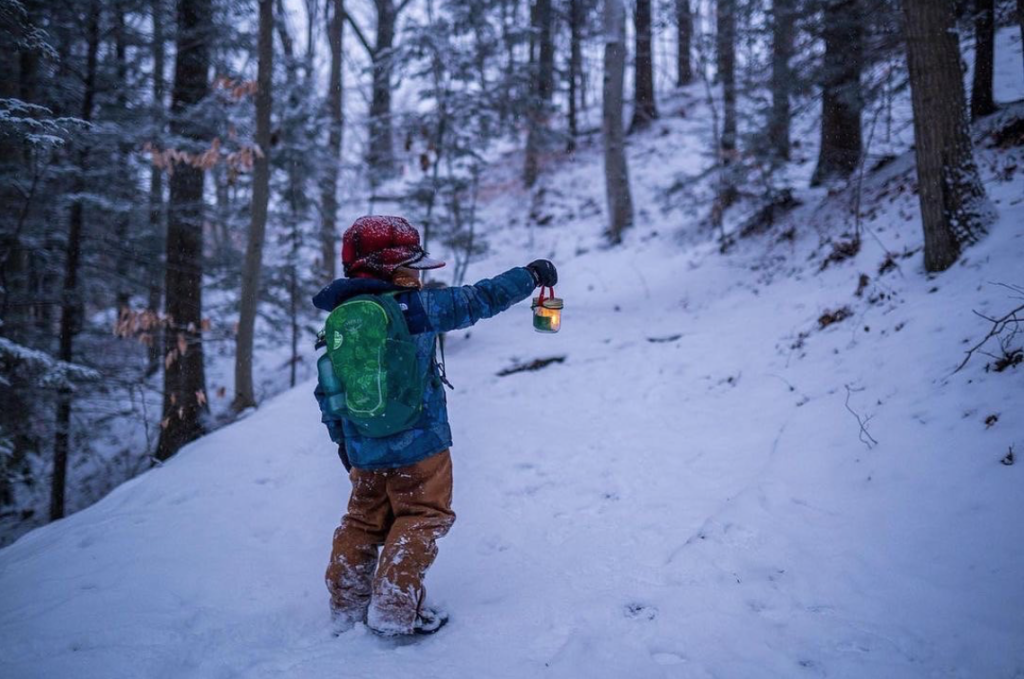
144, 324
237, 162
236, 89
140, 323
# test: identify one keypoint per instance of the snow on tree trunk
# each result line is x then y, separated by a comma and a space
684, 38
781, 78
71, 303
982, 102
841, 99
954, 208
644, 108
616, 172
245, 394
184, 372
329, 183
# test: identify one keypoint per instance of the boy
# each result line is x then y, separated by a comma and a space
402, 483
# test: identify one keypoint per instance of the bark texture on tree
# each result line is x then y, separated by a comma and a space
1020, 20
121, 265
156, 186
954, 208
575, 67
245, 393
644, 108
184, 371
71, 303
841, 100
783, 15
684, 43
726, 48
329, 182
616, 171
381, 153
982, 101
544, 85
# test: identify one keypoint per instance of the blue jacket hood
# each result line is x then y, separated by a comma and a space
334, 294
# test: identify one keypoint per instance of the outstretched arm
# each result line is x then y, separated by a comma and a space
456, 308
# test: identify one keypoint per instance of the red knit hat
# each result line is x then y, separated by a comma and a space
374, 246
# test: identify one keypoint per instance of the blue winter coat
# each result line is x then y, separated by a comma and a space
428, 313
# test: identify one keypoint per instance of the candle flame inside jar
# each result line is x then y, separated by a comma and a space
547, 315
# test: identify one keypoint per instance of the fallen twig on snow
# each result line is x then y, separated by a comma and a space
535, 364
865, 436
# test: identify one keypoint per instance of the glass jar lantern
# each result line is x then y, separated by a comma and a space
547, 312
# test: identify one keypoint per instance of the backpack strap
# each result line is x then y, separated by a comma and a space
394, 312
442, 370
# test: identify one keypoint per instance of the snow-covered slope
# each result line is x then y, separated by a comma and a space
688, 494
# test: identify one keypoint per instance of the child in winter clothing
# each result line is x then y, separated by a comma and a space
402, 484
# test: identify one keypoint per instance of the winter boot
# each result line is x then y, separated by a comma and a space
429, 620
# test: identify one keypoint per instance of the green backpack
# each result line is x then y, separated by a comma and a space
374, 357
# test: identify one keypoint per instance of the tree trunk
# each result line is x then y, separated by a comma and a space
71, 303
1020, 20
122, 265
726, 47
982, 102
184, 372
156, 191
296, 180
381, 154
575, 66
782, 52
616, 171
544, 85
644, 108
329, 183
311, 21
245, 393
684, 30
546, 79
841, 101
954, 208
726, 43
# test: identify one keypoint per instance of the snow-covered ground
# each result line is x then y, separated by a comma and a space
688, 494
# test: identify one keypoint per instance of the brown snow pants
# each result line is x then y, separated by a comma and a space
404, 510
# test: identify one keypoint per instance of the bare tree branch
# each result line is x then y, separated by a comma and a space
998, 326
359, 34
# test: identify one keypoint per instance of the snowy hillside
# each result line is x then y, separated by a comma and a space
689, 493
